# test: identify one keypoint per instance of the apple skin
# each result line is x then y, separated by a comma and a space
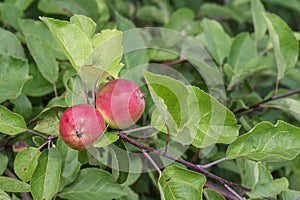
121, 103
81, 125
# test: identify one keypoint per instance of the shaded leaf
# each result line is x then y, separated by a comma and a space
13, 75
45, 179
3, 162
290, 195
11, 123
4, 195
22, 106
264, 142
11, 14
257, 10
10, 45
211, 194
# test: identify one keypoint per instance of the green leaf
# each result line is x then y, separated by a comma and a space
4, 195
179, 183
86, 24
271, 188
108, 61
290, 4
22, 106
13, 75
120, 161
70, 163
253, 173
260, 27
262, 143
211, 194
217, 41
45, 179
48, 122
11, 123
12, 185
90, 184
106, 139
131, 195
284, 42
3, 162
10, 45
290, 195
38, 85
10, 14
242, 51
22, 167
43, 57
217, 123
23, 4
74, 41
291, 106
182, 20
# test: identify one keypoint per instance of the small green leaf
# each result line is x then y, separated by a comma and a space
3, 162
13, 75
48, 122
211, 194
264, 142
179, 183
291, 106
45, 179
10, 45
272, 188
11, 14
242, 51
12, 185
92, 183
11, 123
290, 195
257, 10
74, 41
106, 139
131, 195
4, 195
70, 163
217, 41
284, 42
23, 168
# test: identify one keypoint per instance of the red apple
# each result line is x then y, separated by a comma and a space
81, 125
120, 102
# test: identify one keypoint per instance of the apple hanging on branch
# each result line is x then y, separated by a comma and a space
121, 103
81, 125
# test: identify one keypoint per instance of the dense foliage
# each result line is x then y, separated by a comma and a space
222, 116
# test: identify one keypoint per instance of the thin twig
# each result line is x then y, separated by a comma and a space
24, 195
168, 139
136, 129
213, 163
37, 133
228, 195
272, 98
184, 162
153, 163
196, 155
233, 192
55, 90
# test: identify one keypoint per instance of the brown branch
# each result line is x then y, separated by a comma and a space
173, 62
184, 162
221, 190
24, 195
272, 98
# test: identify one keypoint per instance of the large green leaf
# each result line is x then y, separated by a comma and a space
217, 123
284, 42
11, 123
70, 163
92, 183
217, 41
12, 185
13, 75
45, 179
74, 41
267, 142
179, 183
257, 10
22, 167
10, 45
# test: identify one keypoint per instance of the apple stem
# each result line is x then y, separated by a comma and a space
153, 163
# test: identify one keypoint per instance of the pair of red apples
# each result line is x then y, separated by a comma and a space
119, 104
